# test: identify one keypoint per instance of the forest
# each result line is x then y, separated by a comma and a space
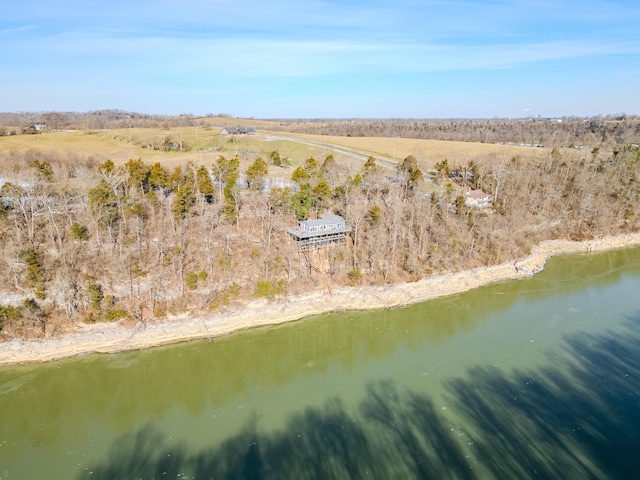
84, 239
550, 132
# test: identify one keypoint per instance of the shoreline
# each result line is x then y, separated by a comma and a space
113, 338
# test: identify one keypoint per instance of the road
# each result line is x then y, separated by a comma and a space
383, 161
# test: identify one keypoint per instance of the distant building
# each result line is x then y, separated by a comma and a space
35, 128
319, 233
237, 131
477, 199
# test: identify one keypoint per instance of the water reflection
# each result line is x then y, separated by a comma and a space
579, 419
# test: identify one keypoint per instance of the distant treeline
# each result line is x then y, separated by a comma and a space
551, 132
13, 123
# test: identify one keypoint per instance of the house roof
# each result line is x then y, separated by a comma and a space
332, 219
238, 130
326, 220
476, 194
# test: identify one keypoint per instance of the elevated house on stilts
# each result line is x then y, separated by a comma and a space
313, 237
316, 234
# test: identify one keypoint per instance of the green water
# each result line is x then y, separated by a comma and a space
536, 378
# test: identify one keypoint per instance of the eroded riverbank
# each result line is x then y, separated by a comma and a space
110, 338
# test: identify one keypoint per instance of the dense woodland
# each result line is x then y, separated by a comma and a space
557, 132
83, 240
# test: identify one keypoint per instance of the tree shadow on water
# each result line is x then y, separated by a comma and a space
143, 454
393, 434
578, 418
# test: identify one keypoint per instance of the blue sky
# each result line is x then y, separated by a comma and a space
323, 58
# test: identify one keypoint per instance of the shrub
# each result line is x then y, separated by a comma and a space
8, 314
79, 232
160, 309
264, 288
225, 261
137, 272
34, 265
95, 295
39, 292
355, 277
268, 289
192, 280
234, 290
116, 314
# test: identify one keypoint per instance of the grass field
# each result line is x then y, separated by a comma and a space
206, 145
428, 152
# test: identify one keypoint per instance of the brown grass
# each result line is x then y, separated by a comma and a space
428, 152
207, 145
118, 145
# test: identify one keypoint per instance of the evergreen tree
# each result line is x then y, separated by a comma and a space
227, 173
204, 184
311, 167
322, 193
159, 176
103, 204
410, 172
300, 176
303, 201
257, 174
137, 176
275, 159
183, 201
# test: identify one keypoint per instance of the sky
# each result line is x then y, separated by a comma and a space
323, 58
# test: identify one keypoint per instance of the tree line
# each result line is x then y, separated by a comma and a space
560, 132
16, 123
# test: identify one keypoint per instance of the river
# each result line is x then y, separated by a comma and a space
533, 378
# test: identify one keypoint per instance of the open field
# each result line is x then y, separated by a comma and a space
205, 144
428, 152
118, 145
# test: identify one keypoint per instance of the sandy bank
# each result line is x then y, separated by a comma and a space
109, 338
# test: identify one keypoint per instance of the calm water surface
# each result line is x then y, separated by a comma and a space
536, 378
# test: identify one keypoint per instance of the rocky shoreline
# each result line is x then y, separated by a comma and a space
111, 338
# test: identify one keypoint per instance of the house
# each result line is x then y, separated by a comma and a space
320, 232
237, 131
35, 128
329, 222
477, 199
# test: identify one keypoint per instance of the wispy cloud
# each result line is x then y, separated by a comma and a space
251, 56
6, 32
256, 46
